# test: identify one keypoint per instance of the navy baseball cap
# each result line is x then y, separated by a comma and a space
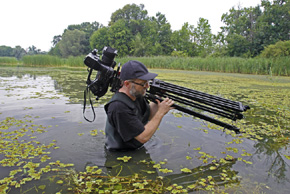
136, 70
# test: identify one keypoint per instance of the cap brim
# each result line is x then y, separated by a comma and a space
148, 76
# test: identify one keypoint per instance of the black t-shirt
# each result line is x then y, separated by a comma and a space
127, 124
124, 120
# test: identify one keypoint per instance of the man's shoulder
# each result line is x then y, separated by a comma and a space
117, 105
120, 99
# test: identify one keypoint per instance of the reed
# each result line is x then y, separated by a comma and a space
53, 61
42, 60
75, 61
260, 66
8, 60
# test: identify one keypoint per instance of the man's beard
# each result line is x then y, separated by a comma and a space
135, 93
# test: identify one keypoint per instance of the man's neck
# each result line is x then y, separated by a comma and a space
126, 91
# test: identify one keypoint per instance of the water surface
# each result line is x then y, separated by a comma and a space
53, 98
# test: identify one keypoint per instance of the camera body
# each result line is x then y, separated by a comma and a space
106, 75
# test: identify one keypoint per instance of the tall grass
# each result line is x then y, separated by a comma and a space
262, 66
53, 61
42, 60
8, 60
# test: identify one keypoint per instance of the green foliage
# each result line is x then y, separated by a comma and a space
259, 26
100, 38
7, 51
238, 46
246, 33
178, 54
8, 60
182, 40
72, 43
32, 50
132, 32
139, 46
280, 49
275, 21
120, 37
203, 38
55, 51
42, 60
48, 60
75, 40
24, 156
129, 13
262, 66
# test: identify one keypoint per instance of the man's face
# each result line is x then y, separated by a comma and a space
138, 87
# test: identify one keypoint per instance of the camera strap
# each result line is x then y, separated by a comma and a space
87, 92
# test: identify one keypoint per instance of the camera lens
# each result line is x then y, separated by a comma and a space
108, 55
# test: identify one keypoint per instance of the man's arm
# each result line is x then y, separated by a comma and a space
151, 127
153, 109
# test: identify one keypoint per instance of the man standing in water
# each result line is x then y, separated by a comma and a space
131, 121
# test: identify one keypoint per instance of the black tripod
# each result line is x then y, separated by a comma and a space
187, 99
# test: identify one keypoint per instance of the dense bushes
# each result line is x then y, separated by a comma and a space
280, 49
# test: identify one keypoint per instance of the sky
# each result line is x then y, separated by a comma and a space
36, 22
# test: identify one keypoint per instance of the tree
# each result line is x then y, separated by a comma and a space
129, 13
55, 51
89, 29
139, 46
238, 46
32, 50
134, 26
56, 40
182, 40
72, 43
121, 38
280, 49
242, 22
86, 27
163, 34
6, 51
18, 52
261, 25
100, 38
203, 37
274, 24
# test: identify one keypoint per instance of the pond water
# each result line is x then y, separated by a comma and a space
48, 103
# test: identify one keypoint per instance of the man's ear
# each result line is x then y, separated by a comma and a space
126, 83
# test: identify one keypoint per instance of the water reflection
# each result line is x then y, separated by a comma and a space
270, 151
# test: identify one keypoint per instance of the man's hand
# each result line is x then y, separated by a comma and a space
164, 106
152, 125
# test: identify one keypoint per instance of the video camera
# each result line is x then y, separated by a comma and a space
186, 99
106, 75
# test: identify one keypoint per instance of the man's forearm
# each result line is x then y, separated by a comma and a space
150, 128
153, 109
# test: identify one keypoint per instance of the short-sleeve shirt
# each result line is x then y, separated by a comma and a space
124, 124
